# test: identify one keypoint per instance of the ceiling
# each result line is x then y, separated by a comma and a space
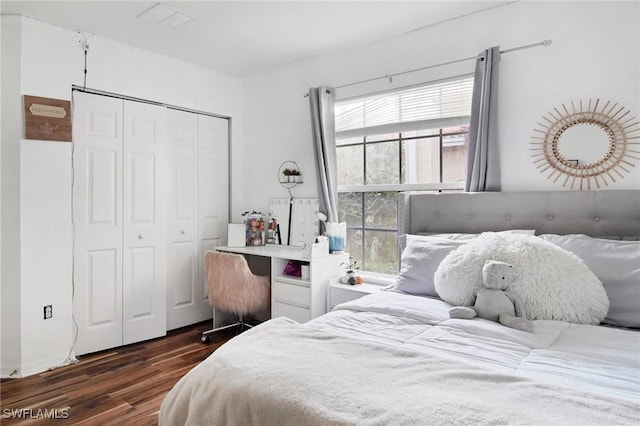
243, 38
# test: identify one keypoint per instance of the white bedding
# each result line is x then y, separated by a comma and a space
602, 359
391, 358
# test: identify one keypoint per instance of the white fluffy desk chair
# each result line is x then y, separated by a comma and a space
234, 288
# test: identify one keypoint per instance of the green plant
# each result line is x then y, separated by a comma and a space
351, 265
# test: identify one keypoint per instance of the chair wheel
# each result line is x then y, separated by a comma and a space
204, 339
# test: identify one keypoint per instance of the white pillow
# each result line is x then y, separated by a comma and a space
617, 264
419, 261
551, 283
422, 254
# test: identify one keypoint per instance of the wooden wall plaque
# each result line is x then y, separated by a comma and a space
47, 119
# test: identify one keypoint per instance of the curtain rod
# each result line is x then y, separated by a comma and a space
543, 43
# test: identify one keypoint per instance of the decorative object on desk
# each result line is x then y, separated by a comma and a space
255, 229
289, 175
273, 231
588, 143
351, 276
236, 235
296, 219
305, 271
293, 269
337, 233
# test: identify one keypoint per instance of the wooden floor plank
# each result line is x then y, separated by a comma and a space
125, 385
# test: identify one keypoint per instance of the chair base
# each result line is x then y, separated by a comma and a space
240, 326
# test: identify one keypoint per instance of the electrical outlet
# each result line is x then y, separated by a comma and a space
48, 312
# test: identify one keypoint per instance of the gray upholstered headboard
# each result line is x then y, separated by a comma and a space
596, 213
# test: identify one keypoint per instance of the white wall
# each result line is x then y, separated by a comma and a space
595, 54
45, 253
10, 348
38, 188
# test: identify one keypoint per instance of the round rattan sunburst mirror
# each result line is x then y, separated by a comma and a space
590, 142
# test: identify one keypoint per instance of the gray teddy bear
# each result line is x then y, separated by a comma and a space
493, 301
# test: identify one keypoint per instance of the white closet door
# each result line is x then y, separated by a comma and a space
182, 248
213, 195
144, 237
97, 213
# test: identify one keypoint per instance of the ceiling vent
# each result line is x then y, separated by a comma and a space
164, 15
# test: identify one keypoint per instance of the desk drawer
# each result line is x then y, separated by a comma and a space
296, 313
296, 294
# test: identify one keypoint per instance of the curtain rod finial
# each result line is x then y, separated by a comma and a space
547, 42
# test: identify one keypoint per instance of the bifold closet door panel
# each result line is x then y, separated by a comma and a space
182, 246
97, 214
144, 221
213, 195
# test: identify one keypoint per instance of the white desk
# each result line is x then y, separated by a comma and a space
300, 299
287, 252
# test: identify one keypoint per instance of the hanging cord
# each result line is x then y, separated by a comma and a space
84, 85
71, 357
84, 44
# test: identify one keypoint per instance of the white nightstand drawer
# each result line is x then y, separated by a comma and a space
297, 294
341, 293
296, 313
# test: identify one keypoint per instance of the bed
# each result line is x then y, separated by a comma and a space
396, 357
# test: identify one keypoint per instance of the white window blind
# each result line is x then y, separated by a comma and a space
436, 105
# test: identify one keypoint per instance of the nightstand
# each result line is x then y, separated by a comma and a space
340, 293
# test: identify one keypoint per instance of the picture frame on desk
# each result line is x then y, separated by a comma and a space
236, 235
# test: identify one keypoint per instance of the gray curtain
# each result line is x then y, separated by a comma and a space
483, 161
321, 100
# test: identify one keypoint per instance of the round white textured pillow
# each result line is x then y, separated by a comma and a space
551, 283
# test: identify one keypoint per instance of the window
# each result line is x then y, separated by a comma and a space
411, 139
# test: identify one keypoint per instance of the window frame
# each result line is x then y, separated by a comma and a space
437, 124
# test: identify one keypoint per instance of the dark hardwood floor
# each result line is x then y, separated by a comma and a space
124, 385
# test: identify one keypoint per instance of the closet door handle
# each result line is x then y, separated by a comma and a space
139, 236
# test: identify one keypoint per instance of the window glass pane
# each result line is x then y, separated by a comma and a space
381, 252
354, 245
350, 160
454, 153
382, 163
454, 162
350, 208
421, 160
380, 210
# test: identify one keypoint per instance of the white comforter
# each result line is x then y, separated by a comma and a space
389, 358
